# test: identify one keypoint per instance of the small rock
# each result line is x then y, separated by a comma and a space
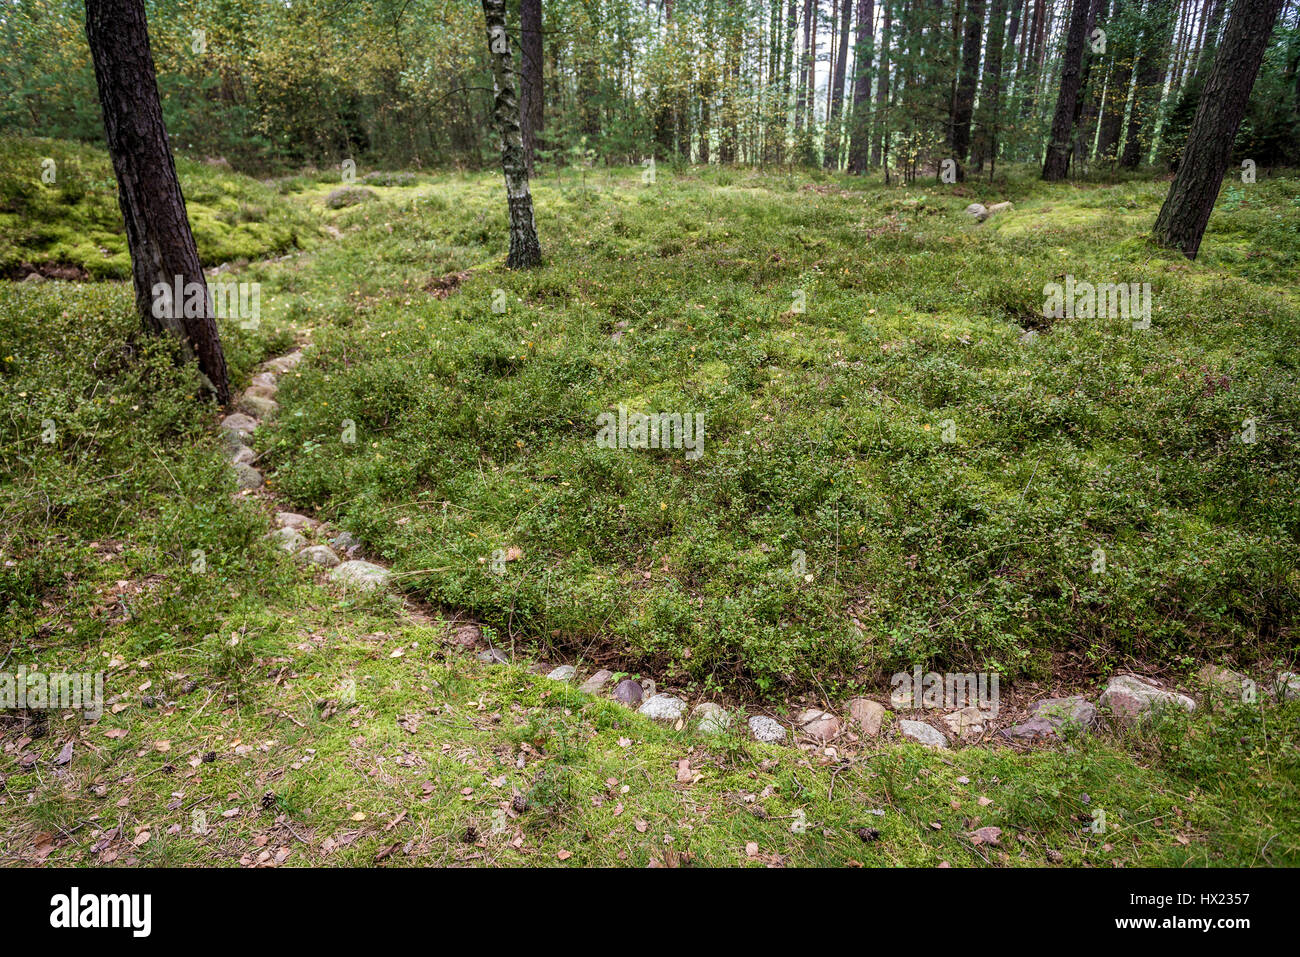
596, 682
967, 723
493, 656
712, 718
265, 380
247, 477
257, 406
321, 555
922, 733
1288, 685
359, 574
628, 692
261, 391
344, 541
241, 454
294, 520
1225, 683
284, 363
1131, 699
467, 636
978, 211
818, 725
563, 673
663, 707
1028, 336
288, 538
240, 424
766, 729
868, 715
1052, 716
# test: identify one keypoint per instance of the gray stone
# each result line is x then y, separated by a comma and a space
562, 673
978, 211
257, 406
1225, 683
596, 682
868, 715
1052, 717
663, 707
712, 718
261, 392
321, 555
240, 424
967, 723
629, 692
359, 574
265, 380
294, 520
1028, 337
818, 725
1132, 699
766, 729
284, 363
241, 454
289, 539
922, 733
344, 540
248, 477
1288, 685
349, 196
998, 208
493, 656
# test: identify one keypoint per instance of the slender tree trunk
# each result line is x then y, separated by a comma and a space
882, 86
805, 68
1205, 58
157, 228
860, 135
1186, 210
1057, 164
986, 136
531, 113
1147, 95
831, 142
964, 101
525, 250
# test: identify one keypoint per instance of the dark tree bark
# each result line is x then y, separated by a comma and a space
531, 98
1150, 75
1119, 79
831, 141
864, 42
1191, 196
1057, 164
1085, 104
148, 192
525, 250
963, 106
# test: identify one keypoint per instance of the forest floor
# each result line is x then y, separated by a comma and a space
832, 332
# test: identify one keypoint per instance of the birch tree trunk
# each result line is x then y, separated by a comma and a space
157, 227
525, 250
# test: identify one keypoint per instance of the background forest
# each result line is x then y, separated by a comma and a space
845, 84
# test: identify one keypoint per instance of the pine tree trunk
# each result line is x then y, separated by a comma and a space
964, 102
831, 141
882, 86
1147, 95
157, 228
860, 135
525, 250
1191, 196
1057, 164
531, 113
986, 137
